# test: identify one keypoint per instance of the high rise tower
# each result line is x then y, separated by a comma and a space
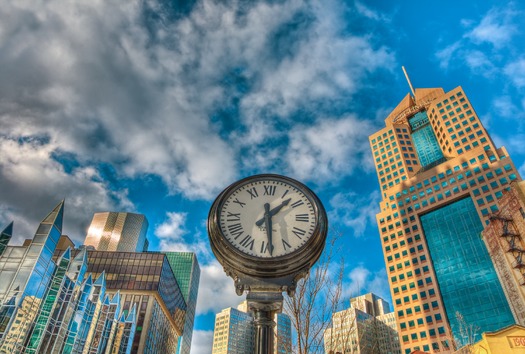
187, 272
234, 332
112, 231
440, 176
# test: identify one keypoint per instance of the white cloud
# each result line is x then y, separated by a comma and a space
353, 210
110, 89
478, 62
329, 149
362, 281
446, 55
31, 177
201, 342
367, 11
516, 72
505, 107
216, 290
513, 143
173, 229
107, 92
496, 27
174, 236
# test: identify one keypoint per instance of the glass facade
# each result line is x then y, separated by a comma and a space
283, 334
50, 307
5, 236
25, 274
425, 142
136, 275
466, 277
113, 231
233, 333
187, 272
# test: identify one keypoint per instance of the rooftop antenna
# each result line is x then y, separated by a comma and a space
408, 80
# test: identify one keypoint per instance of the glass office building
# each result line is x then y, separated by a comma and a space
440, 176
234, 332
187, 272
144, 281
52, 307
56, 300
115, 231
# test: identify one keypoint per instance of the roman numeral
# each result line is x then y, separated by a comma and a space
298, 232
247, 241
253, 192
269, 190
235, 230
239, 202
285, 193
264, 248
297, 203
286, 245
302, 217
233, 216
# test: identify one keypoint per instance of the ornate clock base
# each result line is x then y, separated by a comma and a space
245, 282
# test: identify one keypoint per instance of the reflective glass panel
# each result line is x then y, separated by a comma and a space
467, 279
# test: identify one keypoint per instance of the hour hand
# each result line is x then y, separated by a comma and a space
279, 207
273, 211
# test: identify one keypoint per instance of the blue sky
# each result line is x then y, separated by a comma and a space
154, 107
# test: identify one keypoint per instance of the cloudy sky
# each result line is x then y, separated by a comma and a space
155, 106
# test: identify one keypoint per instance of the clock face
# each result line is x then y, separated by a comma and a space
268, 217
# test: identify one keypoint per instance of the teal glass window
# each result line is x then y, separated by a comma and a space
425, 142
467, 280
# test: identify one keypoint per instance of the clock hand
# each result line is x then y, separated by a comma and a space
279, 207
268, 224
273, 211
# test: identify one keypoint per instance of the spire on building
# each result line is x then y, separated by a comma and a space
55, 217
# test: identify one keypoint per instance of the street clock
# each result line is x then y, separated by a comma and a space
267, 231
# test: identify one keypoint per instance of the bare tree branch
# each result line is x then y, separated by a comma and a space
317, 297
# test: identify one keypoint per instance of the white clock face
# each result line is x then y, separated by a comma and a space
267, 218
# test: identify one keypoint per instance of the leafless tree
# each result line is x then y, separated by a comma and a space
468, 333
316, 298
340, 336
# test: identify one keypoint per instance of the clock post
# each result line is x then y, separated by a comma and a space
267, 231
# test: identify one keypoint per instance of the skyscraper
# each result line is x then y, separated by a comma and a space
187, 273
145, 281
440, 177
367, 326
113, 231
52, 307
234, 332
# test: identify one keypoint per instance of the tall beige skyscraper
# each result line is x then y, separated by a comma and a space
114, 231
367, 326
440, 176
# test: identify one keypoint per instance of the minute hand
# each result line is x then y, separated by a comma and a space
273, 211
